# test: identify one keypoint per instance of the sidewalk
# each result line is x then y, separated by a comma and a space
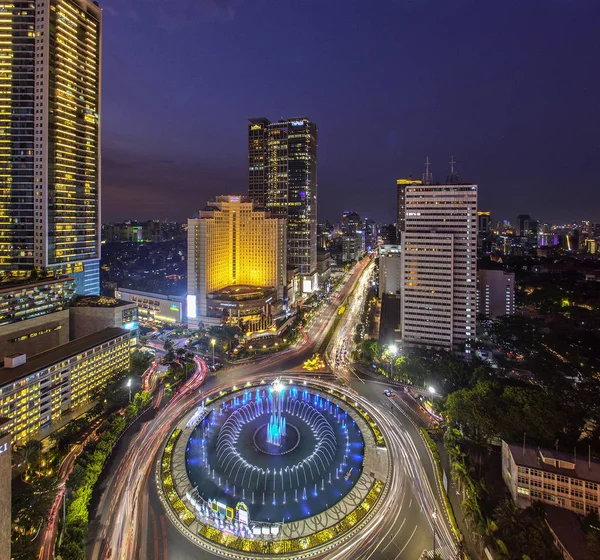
455, 501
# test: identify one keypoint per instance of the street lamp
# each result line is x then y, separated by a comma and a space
213, 342
431, 390
393, 351
129, 387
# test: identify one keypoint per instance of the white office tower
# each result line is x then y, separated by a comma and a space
439, 266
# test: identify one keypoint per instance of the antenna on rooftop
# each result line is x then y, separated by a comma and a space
427, 178
453, 177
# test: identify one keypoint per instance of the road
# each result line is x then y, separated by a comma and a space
130, 522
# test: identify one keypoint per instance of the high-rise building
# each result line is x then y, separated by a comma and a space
439, 265
282, 178
495, 292
50, 65
390, 270
400, 200
236, 265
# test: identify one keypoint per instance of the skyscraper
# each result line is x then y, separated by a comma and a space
282, 178
236, 264
400, 201
439, 265
50, 64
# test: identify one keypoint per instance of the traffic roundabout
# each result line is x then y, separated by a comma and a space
283, 468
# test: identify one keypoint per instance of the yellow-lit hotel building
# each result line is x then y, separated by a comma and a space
236, 264
50, 65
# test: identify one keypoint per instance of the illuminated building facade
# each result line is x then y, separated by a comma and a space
439, 266
21, 301
35, 392
400, 202
155, 308
282, 178
50, 148
236, 264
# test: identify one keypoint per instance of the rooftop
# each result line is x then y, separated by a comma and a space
557, 462
240, 292
100, 301
8, 286
58, 354
566, 526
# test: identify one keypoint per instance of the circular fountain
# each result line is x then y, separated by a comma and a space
286, 452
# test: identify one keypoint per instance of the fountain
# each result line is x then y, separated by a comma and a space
276, 426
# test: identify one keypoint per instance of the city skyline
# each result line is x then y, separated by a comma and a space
517, 112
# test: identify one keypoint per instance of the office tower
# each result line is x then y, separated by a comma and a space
50, 158
439, 265
400, 197
236, 265
389, 234
282, 178
390, 270
495, 293
350, 222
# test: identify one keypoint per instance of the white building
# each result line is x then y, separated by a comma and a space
390, 270
495, 293
439, 266
552, 477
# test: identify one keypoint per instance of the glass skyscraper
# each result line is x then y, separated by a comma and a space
50, 64
282, 178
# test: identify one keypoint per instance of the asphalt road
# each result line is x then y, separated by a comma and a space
129, 520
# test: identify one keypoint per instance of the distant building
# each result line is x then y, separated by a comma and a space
351, 222
527, 230
323, 266
401, 185
92, 314
390, 270
236, 265
155, 308
282, 178
439, 266
495, 293
52, 126
36, 391
371, 234
28, 299
389, 235
552, 477
351, 247
5, 489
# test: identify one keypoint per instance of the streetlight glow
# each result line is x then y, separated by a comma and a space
393, 349
431, 390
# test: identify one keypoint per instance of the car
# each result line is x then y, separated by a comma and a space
388, 393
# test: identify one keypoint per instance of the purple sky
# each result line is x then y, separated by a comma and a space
511, 89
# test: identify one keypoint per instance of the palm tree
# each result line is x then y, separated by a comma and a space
461, 476
31, 453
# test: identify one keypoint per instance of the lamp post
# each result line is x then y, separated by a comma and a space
213, 342
129, 387
393, 351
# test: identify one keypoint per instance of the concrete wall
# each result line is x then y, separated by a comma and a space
88, 320
42, 333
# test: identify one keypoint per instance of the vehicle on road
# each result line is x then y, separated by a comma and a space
389, 393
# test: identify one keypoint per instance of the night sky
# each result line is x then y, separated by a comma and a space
511, 89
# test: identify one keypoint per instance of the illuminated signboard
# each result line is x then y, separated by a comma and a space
229, 513
3, 447
234, 199
174, 307
131, 325
297, 123
242, 513
191, 306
